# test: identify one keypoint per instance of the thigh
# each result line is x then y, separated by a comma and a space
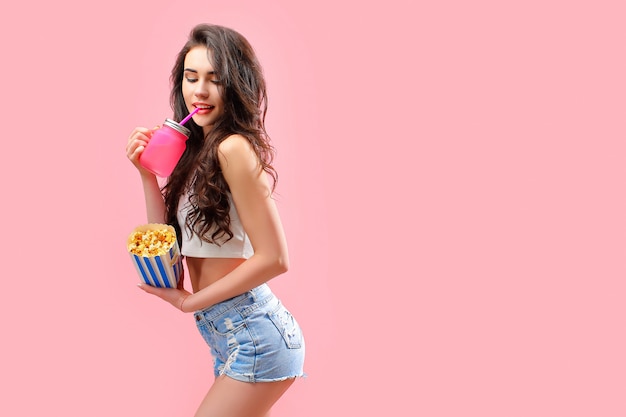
231, 398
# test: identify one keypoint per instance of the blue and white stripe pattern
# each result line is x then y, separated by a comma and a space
160, 271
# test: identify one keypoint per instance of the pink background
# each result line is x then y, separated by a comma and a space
452, 187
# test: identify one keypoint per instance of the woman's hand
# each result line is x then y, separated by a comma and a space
137, 142
174, 296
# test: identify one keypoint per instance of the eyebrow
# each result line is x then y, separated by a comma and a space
195, 71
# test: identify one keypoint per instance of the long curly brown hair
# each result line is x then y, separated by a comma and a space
198, 172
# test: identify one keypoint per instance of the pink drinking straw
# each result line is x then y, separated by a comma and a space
186, 119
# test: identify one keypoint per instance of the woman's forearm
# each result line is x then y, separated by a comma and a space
250, 274
155, 205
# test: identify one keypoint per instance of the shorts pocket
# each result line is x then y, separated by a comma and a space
226, 326
287, 326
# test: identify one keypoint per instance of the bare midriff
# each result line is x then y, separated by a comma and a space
205, 271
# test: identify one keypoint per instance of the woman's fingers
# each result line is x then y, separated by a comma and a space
139, 136
174, 296
137, 142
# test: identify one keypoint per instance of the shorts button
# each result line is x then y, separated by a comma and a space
197, 318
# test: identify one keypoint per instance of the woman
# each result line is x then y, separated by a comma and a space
219, 200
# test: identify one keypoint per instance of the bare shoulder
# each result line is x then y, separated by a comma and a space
235, 145
237, 158
236, 150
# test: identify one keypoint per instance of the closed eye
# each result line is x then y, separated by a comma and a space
191, 75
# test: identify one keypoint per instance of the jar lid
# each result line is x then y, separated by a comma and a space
177, 126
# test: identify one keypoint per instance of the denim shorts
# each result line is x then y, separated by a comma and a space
253, 337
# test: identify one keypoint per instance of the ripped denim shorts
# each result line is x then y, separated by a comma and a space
253, 337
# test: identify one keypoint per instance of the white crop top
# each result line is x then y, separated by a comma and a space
238, 246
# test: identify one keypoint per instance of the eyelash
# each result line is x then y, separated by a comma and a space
193, 80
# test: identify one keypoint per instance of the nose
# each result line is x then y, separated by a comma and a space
201, 90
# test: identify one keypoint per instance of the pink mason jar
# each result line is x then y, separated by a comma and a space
165, 148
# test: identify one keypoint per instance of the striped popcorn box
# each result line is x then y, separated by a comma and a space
154, 251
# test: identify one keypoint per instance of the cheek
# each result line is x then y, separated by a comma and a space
219, 97
216, 92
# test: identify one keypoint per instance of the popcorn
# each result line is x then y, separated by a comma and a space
151, 242
154, 251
